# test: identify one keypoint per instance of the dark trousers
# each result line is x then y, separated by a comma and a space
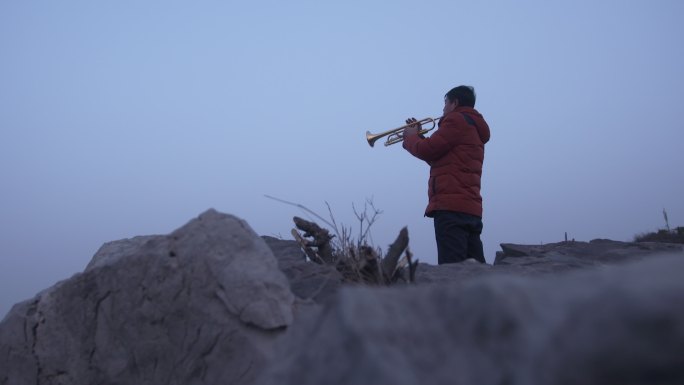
458, 237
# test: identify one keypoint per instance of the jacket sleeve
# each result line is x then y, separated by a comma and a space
436, 145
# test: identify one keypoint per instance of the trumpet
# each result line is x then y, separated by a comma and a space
396, 135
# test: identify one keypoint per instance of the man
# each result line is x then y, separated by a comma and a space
455, 153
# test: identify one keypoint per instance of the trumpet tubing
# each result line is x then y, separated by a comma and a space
396, 135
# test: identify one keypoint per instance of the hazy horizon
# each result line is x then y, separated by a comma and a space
131, 118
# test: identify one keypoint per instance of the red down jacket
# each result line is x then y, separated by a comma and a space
455, 153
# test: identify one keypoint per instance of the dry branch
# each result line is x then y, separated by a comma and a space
356, 261
321, 239
389, 263
360, 264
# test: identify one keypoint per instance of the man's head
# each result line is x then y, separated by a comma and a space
461, 96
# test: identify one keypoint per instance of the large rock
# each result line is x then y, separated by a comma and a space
613, 325
201, 305
208, 303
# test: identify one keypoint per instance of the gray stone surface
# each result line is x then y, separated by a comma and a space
593, 253
451, 273
620, 324
552, 258
199, 306
213, 303
111, 252
307, 280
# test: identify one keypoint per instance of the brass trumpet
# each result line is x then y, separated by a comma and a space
396, 135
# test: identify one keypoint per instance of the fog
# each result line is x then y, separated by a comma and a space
130, 118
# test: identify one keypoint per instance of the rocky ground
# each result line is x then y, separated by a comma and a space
214, 303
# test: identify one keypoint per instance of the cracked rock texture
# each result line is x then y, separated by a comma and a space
201, 305
213, 303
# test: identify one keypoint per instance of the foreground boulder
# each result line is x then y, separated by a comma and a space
620, 324
201, 305
213, 303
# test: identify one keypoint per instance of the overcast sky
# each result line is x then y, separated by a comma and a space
125, 118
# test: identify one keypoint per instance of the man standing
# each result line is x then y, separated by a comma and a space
455, 153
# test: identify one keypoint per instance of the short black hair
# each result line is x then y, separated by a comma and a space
464, 94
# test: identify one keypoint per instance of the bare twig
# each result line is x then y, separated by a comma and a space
301, 207
371, 221
334, 223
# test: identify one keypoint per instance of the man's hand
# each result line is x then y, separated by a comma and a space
413, 127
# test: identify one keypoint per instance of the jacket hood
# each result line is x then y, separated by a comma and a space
482, 126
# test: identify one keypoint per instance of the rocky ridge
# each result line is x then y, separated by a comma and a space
214, 303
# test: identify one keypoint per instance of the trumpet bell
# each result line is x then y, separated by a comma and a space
372, 138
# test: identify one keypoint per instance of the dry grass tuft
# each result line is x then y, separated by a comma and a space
354, 257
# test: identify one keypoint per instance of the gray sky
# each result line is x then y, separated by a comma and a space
130, 118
